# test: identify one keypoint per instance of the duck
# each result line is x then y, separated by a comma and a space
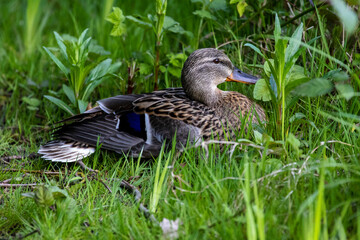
140, 124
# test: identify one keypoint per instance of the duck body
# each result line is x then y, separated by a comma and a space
139, 124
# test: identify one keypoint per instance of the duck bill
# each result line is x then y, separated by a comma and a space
238, 76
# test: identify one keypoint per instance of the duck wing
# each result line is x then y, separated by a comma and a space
123, 125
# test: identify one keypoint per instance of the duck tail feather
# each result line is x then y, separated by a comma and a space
65, 151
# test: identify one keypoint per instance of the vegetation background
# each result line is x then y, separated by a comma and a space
296, 178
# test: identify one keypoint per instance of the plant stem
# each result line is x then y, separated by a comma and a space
157, 63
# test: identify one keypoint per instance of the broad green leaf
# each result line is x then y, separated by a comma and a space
293, 141
345, 90
58, 193
177, 60
241, 7
297, 116
82, 105
62, 67
347, 15
296, 73
163, 69
31, 101
171, 25
114, 67
294, 83
280, 48
99, 71
117, 18
262, 91
60, 104
44, 197
145, 68
217, 5
97, 49
294, 43
90, 88
204, 14
69, 93
138, 20
267, 68
175, 71
337, 75
313, 88
256, 49
258, 137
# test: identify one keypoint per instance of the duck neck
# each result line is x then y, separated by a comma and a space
209, 96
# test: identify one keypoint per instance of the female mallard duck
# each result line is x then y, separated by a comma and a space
139, 124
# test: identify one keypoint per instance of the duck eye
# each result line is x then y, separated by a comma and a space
216, 61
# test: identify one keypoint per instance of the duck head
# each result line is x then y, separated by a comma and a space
204, 70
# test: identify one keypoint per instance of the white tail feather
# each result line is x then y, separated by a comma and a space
61, 151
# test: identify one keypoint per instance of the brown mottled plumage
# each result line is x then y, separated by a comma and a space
139, 124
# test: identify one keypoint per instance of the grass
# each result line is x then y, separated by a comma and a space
311, 191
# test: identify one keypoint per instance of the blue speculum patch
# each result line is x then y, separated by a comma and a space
133, 123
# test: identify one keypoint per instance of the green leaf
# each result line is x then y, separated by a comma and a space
117, 18
217, 5
172, 26
163, 69
262, 91
29, 195
31, 101
97, 49
241, 7
347, 15
267, 68
258, 137
69, 93
297, 116
175, 71
58, 193
277, 30
177, 60
61, 45
337, 75
60, 104
90, 88
140, 21
44, 197
145, 68
62, 67
294, 43
296, 73
256, 49
345, 90
313, 88
99, 71
82, 105
204, 14
82, 36
293, 141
